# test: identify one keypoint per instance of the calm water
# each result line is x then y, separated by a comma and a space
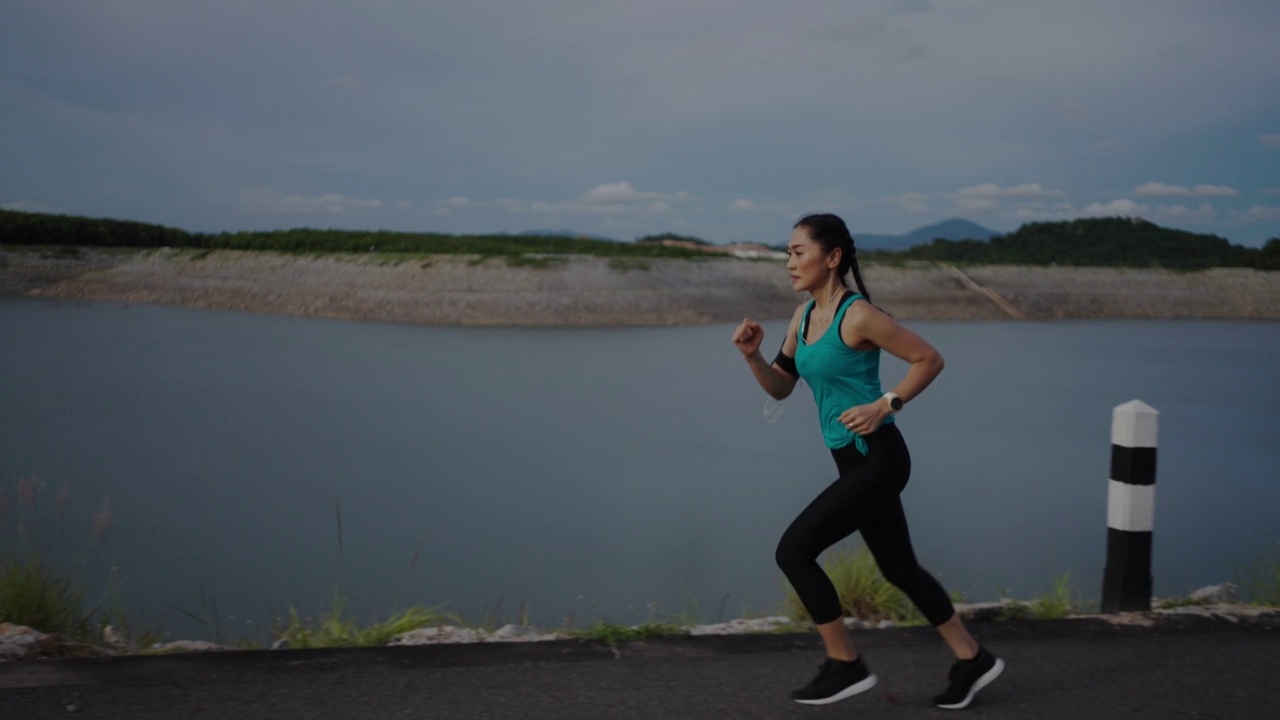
595, 473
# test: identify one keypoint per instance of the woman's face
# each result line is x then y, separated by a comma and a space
809, 265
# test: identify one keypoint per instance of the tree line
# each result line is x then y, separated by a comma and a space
23, 228
1106, 242
1114, 242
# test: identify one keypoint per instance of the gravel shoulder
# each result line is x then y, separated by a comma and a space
591, 291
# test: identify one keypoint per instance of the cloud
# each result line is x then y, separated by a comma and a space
623, 192
993, 190
1123, 207
989, 197
1272, 141
618, 198
457, 202
266, 202
1155, 189
1271, 191
909, 202
743, 204
1262, 212
1205, 211
31, 207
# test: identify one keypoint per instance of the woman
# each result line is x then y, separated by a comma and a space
834, 343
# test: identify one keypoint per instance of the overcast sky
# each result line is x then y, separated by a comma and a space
717, 118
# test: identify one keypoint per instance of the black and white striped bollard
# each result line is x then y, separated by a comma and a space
1131, 498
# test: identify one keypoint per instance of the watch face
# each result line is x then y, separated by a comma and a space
895, 403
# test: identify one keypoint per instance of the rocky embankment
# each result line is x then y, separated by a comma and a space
591, 291
1216, 602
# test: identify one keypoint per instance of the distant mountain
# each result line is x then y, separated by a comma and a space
565, 233
951, 229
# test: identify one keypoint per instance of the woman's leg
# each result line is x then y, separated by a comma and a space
827, 520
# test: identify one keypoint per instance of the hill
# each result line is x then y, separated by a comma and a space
950, 229
1101, 242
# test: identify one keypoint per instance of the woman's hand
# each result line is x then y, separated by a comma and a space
748, 336
865, 419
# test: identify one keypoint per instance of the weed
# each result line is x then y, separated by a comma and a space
863, 591
612, 633
37, 588
338, 630
1259, 581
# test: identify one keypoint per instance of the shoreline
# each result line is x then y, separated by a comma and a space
586, 291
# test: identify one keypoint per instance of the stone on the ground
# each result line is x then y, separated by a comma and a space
1224, 594
19, 642
192, 646
742, 625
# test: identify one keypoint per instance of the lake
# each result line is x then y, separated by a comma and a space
256, 463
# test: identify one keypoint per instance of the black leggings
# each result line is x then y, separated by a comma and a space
865, 498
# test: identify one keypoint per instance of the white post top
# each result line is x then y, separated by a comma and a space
1134, 424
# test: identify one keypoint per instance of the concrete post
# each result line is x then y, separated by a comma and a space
1131, 499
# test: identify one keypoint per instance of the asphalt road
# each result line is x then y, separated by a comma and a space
1056, 669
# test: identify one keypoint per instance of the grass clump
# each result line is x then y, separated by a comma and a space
1259, 581
337, 630
1060, 602
612, 633
39, 588
863, 591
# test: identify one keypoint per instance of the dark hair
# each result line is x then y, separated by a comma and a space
830, 232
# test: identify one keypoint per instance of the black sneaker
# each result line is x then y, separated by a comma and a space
967, 678
836, 680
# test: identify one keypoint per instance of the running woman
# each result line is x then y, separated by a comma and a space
834, 343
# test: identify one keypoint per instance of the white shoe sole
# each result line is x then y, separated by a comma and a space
982, 682
854, 689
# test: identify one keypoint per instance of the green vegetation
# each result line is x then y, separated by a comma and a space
1105, 242
671, 236
337, 630
21, 228
1260, 579
863, 591
613, 634
38, 587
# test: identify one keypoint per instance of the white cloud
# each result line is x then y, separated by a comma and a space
743, 204
1271, 191
1262, 212
991, 190
1214, 191
1156, 189
1272, 141
1123, 207
29, 206
619, 198
909, 202
623, 192
457, 202
989, 197
271, 203
1181, 212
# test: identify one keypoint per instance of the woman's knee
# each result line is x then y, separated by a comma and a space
792, 551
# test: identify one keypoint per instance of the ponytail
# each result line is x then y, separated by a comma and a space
830, 232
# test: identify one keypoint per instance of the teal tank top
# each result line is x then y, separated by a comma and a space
840, 376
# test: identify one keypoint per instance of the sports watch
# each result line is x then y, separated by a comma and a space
895, 402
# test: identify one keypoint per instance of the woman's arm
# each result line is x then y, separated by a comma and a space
865, 323
778, 383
